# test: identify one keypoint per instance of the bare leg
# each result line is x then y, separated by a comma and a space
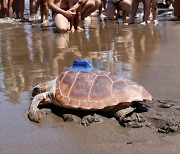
147, 9
171, 4
112, 12
125, 6
46, 9
77, 20
104, 2
2, 8
9, 5
45, 18
164, 1
89, 7
155, 11
102, 8
42, 10
21, 10
4, 4
16, 8
32, 4
37, 4
135, 4
61, 22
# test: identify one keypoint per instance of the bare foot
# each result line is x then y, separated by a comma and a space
45, 23
31, 18
88, 18
101, 17
80, 29
125, 23
155, 22
143, 23
72, 29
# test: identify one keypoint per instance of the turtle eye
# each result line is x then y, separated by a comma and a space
35, 91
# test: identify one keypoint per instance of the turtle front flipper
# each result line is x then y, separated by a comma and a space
35, 113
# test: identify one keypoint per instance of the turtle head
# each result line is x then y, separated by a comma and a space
38, 89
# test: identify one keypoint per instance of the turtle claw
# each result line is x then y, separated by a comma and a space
35, 116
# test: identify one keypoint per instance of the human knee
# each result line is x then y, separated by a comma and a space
61, 27
94, 4
61, 23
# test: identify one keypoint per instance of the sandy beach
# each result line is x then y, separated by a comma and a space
148, 55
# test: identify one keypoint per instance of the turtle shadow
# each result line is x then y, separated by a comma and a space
87, 117
84, 117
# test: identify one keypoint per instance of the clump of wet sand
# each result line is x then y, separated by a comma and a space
161, 116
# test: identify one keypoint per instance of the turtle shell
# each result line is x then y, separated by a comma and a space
96, 90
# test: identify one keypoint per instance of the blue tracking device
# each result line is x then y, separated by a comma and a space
82, 65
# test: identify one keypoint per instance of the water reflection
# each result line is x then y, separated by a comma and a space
29, 54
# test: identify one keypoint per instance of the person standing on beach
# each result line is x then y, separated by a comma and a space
3, 7
18, 7
44, 10
150, 5
134, 8
32, 4
65, 11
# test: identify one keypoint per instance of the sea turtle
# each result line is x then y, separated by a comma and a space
85, 88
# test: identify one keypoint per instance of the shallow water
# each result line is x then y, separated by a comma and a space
30, 54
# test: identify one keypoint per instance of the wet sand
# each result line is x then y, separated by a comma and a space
147, 54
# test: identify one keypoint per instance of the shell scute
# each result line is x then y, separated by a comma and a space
74, 103
65, 101
100, 72
85, 105
110, 102
119, 88
114, 77
101, 89
66, 82
98, 105
82, 86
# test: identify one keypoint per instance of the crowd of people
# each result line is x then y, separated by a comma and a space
68, 14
